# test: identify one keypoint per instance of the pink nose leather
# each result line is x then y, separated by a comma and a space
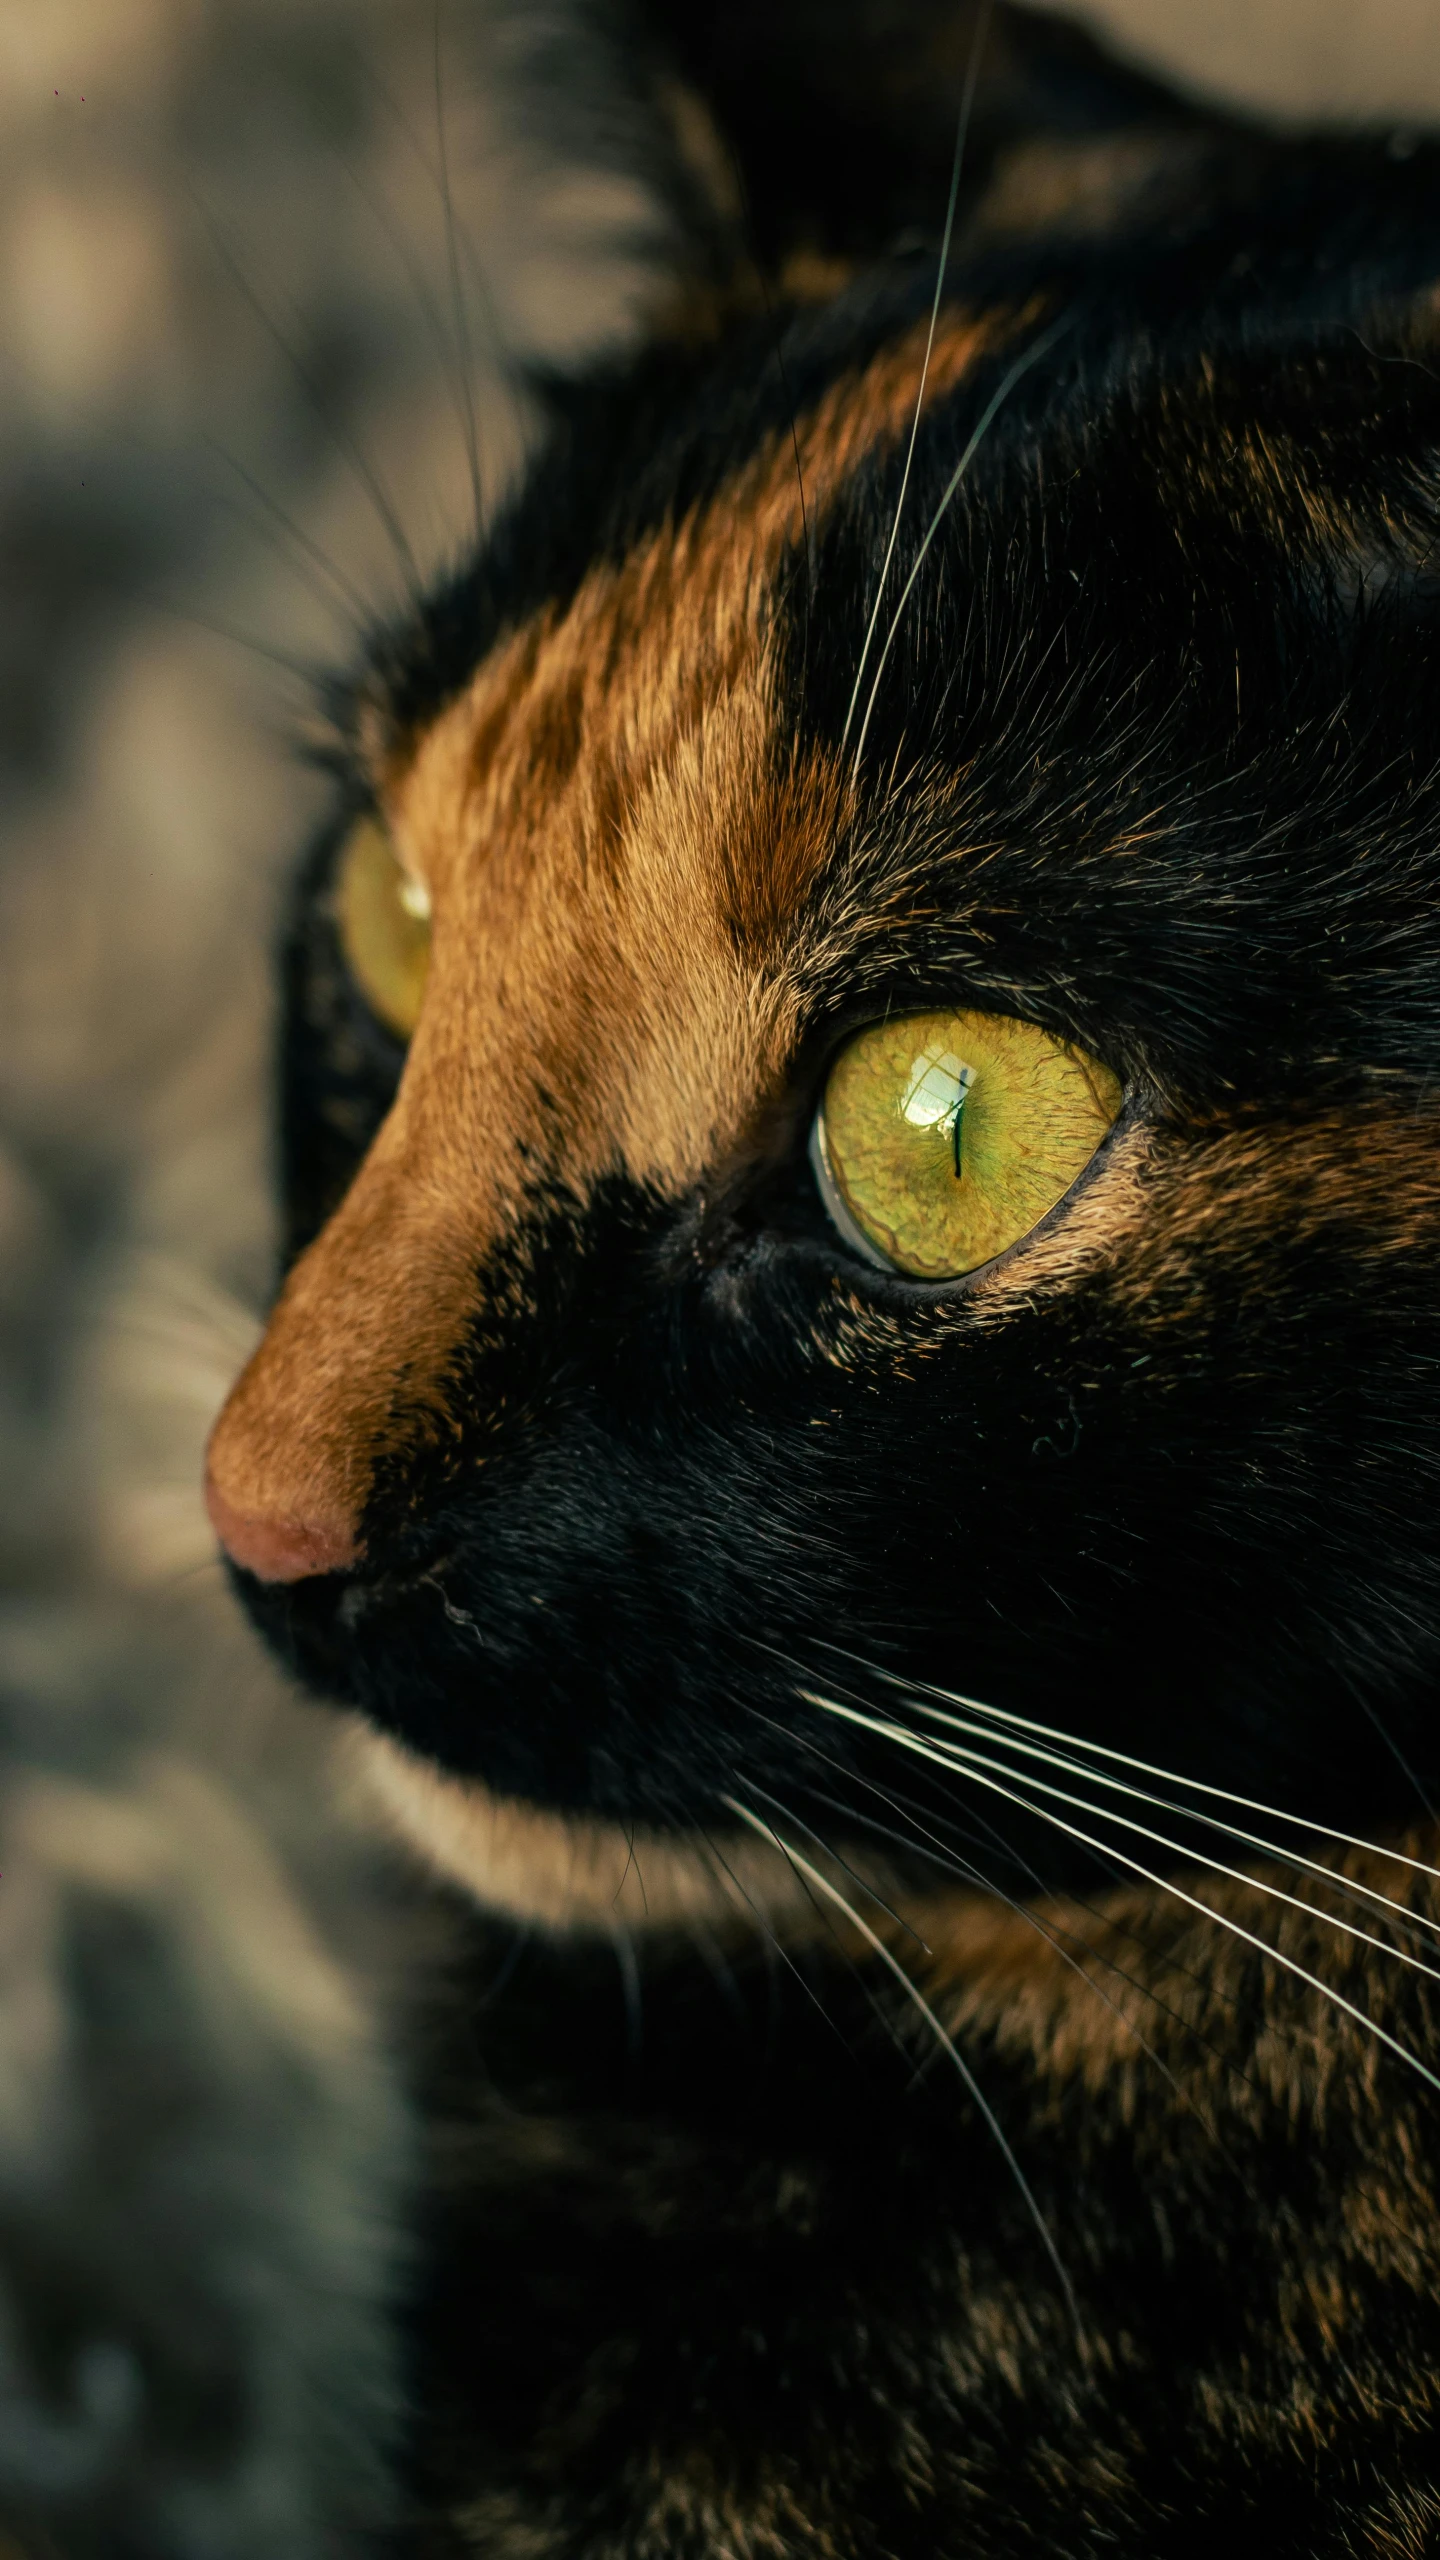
279, 1550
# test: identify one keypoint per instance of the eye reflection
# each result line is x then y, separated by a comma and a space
936, 1097
383, 913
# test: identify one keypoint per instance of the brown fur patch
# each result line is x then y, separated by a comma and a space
1224, 1202
1103, 1992
614, 852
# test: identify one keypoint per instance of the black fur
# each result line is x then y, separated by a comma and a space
741, 2272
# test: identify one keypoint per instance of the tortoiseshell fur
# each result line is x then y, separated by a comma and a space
722, 2259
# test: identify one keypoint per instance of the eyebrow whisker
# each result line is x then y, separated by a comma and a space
1030, 355
962, 131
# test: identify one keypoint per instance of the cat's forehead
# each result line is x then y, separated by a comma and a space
628, 660
617, 832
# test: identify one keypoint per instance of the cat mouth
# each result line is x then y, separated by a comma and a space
565, 1761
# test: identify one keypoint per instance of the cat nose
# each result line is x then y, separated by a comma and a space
276, 1549
358, 1341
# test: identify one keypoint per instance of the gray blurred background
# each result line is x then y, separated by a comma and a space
252, 380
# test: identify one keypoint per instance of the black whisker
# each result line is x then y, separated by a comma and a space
302, 542
625, 1958
457, 298
345, 442
774, 1944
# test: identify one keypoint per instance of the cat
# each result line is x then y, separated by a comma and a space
853, 1414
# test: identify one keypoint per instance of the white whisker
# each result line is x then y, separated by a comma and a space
1151, 1769
788, 1814
1352, 1888
1031, 355
916, 1996
965, 1757
979, 1777
967, 102
920, 1840
887, 2023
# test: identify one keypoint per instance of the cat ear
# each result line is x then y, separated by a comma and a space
777, 132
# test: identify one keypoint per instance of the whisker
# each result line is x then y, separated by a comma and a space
967, 1758
1216, 1866
345, 442
415, 144
866, 1887
1109, 1921
306, 671
916, 1996
717, 1964
875, 2006
978, 1777
978, 1829
301, 541
457, 298
938, 1850
630, 1861
629, 1969
773, 1944
1350, 1888
1055, 1937
183, 1576
454, 362
1151, 1769
962, 132
1030, 355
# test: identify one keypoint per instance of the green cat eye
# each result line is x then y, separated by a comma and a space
384, 919
943, 1138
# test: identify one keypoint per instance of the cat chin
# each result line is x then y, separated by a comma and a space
566, 1871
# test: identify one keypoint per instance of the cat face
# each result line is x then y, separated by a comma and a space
650, 1365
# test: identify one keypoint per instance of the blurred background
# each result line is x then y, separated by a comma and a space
266, 271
